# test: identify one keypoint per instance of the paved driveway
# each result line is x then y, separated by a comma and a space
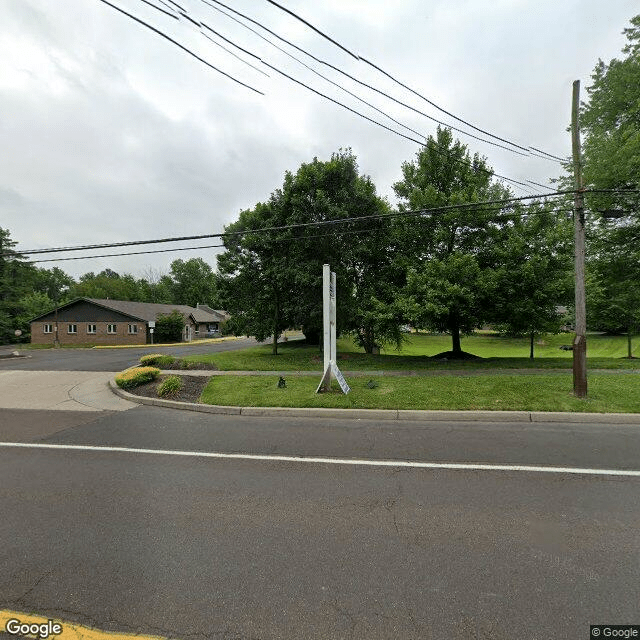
106, 359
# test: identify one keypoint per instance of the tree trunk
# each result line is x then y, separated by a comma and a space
274, 349
455, 336
629, 349
367, 340
531, 346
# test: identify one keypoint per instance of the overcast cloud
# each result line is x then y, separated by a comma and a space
110, 133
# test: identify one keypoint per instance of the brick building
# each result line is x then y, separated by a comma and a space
103, 322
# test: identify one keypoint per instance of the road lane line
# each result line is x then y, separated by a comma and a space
459, 466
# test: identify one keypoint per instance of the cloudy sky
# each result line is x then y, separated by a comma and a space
111, 133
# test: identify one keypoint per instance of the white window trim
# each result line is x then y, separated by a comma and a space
110, 327
72, 328
133, 329
92, 329
48, 328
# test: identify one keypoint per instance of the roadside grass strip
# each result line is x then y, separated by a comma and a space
55, 628
544, 392
497, 352
356, 462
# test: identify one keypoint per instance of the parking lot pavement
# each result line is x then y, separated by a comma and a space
59, 391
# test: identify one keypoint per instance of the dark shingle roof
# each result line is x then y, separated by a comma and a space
151, 310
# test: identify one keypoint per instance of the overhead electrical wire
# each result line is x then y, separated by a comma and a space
404, 86
312, 71
347, 75
175, 42
264, 73
462, 206
338, 232
519, 184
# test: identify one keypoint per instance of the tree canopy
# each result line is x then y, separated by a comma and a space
449, 250
273, 280
610, 124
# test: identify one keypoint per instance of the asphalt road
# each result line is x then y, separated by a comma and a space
105, 359
226, 548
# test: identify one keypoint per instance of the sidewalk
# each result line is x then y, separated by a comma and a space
59, 391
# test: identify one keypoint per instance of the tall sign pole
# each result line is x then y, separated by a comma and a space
580, 341
329, 335
328, 319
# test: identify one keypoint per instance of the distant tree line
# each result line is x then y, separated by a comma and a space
27, 291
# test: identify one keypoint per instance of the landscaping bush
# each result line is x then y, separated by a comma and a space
169, 327
157, 359
170, 386
136, 376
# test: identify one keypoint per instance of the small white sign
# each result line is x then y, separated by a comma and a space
340, 378
151, 330
152, 324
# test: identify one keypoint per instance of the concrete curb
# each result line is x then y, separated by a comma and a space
386, 414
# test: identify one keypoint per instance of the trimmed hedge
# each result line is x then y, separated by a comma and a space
136, 376
170, 386
157, 359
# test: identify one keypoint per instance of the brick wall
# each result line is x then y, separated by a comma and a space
122, 335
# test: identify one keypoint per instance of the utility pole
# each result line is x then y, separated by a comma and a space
580, 341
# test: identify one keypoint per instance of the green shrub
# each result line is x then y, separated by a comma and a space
169, 327
136, 376
170, 386
157, 359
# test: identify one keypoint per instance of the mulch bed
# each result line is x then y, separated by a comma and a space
192, 387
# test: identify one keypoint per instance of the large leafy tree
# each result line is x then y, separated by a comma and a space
273, 280
16, 277
610, 124
534, 275
193, 282
613, 291
449, 253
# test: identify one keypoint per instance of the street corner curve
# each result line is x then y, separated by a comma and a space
173, 404
16, 623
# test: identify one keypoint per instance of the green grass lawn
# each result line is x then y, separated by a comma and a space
604, 352
544, 392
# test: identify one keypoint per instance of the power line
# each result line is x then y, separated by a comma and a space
235, 55
448, 154
404, 86
175, 42
337, 232
312, 71
519, 184
225, 234
347, 75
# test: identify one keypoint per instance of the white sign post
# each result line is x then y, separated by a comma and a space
329, 342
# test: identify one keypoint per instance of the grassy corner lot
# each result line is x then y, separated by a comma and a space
608, 393
497, 352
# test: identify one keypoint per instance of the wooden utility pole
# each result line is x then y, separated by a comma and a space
580, 341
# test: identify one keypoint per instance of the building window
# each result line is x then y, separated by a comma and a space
133, 328
48, 328
111, 328
91, 328
72, 328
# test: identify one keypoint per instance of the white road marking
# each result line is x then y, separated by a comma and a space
336, 461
